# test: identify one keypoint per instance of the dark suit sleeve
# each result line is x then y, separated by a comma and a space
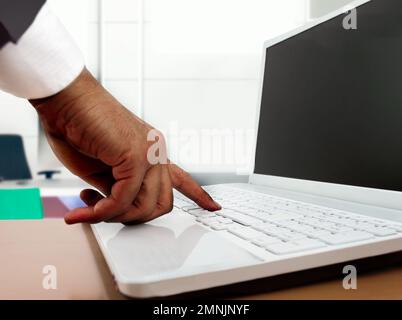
16, 16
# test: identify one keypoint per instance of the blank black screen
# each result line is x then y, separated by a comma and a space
331, 107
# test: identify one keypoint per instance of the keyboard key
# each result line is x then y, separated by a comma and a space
364, 225
180, 196
285, 226
196, 210
246, 233
348, 222
317, 233
278, 232
263, 226
294, 246
264, 240
255, 213
218, 226
345, 237
380, 231
278, 217
289, 236
224, 220
178, 203
238, 217
299, 227
202, 213
189, 208
336, 228
260, 207
207, 221
396, 227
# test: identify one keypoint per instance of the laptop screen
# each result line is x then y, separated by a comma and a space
331, 108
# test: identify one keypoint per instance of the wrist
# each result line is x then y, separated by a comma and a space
57, 109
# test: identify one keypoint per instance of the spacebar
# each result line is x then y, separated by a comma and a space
345, 237
238, 217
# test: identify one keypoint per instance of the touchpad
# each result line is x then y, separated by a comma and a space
170, 246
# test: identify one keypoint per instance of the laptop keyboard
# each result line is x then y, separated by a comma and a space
282, 226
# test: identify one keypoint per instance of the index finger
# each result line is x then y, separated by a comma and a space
185, 184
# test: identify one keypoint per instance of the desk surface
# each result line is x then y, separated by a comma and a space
27, 246
56, 187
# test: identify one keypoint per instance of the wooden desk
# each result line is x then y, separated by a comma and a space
27, 246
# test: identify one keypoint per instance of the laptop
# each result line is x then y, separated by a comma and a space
327, 181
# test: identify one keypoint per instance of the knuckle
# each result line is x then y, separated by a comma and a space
165, 202
97, 219
127, 155
166, 206
147, 208
130, 217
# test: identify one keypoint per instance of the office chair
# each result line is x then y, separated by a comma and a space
13, 162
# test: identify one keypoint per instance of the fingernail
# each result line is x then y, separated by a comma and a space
218, 206
68, 221
92, 195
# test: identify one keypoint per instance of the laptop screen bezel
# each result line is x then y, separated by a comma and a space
370, 196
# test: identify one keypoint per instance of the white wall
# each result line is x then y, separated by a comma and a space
190, 67
202, 61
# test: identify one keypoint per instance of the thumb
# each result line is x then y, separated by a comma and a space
185, 184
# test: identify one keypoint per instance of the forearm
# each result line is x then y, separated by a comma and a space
85, 98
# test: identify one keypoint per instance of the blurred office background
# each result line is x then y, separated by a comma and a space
189, 67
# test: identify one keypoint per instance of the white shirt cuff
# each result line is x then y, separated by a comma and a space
44, 61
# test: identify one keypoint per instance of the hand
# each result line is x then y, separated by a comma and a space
106, 145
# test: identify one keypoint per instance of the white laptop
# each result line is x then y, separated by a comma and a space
327, 182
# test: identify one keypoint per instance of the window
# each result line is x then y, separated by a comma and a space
189, 67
